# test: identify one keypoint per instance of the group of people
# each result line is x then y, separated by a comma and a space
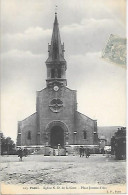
84, 152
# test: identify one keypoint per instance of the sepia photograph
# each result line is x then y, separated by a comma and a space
63, 97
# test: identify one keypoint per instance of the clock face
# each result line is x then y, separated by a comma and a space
56, 88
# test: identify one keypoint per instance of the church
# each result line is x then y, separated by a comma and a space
56, 120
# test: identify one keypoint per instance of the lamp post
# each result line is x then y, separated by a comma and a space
75, 132
58, 149
94, 140
8, 145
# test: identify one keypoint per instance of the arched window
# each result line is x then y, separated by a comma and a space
29, 135
85, 135
59, 73
55, 51
52, 73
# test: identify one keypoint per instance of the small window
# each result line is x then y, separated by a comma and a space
85, 135
29, 135
52, 73
55, 50
59, 73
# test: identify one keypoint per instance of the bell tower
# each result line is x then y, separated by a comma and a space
56, 64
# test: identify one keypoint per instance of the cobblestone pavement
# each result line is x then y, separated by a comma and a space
39, 169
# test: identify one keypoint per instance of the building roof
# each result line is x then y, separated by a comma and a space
107, 132
83, 116
32, 115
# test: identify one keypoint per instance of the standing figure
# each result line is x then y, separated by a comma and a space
25, 152
54, 152
87, 153
20, 154
81, 150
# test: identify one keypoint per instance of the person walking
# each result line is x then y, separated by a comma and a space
25, 152
20, 154
87, 152
80, 150
54, 152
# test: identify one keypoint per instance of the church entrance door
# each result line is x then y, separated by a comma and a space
57, 136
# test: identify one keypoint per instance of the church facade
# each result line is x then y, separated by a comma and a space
56, 120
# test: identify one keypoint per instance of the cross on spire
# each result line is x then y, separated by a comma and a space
56, 9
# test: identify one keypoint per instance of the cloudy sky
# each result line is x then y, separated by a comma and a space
85, 26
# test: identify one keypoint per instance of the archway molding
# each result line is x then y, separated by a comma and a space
53, 124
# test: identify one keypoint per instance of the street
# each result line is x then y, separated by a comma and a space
39, 169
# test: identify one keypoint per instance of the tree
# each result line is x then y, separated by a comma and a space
7, 145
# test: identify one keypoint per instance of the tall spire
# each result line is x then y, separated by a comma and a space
56, 49
56, 64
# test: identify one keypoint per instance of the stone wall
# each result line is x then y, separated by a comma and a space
84, 123
24, 127
66, 114
72, 122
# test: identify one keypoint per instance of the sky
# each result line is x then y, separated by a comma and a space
85, 25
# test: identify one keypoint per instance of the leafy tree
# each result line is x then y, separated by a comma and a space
7, 145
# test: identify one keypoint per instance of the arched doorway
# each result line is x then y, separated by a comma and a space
56, 132
57, 136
